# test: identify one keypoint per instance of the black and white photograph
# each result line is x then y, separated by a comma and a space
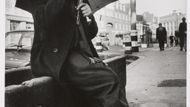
95, 53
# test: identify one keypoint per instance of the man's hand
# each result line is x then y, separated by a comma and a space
85, 9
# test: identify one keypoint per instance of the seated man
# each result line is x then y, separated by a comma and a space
58, 34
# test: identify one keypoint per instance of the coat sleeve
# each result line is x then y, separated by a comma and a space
180, 27
92, 28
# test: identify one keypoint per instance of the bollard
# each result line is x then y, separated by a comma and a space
127, 43
134, 41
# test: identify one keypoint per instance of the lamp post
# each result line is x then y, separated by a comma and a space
133, 14
134, 37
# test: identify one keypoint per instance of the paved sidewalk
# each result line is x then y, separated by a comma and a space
154, 66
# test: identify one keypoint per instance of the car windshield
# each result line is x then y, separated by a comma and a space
19, 40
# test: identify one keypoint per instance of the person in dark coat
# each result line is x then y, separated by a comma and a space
183, 34
176, 37
56, 36
161, 36
171, 40
149, 37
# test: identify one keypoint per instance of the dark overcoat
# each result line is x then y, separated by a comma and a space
182, 30
55, 26
161, 35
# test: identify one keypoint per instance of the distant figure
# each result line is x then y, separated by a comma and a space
183, 34
161, 35
171, 40
176, 38
149, 36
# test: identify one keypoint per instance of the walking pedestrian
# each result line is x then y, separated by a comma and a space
149, 37
171, 40
161, 36
176, 38
62, 49
183, 34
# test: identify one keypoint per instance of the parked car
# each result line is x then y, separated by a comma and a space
17, 48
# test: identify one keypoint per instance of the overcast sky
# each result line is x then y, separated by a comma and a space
159, 7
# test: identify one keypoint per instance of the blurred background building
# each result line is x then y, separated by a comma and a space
117, 14
146, 27
113, 22
172, 21
151, 22
114, 19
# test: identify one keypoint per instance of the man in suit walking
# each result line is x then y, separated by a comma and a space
183, 34
161, 36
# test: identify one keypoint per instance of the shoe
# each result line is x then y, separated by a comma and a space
181, 49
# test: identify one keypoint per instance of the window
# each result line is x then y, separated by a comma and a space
14, 25
120, 16
29, 25
124, 8
127, 18
119, 26
117, 15
123, 17
120, 7
12, 40
117, 5
116, 26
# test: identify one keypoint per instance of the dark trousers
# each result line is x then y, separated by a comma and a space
161, 44
99, 87
183, 42
171, 42
176, 42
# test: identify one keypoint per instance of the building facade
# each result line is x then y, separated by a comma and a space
113, 19
146, 22
172, 21
152, 22
116, 13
